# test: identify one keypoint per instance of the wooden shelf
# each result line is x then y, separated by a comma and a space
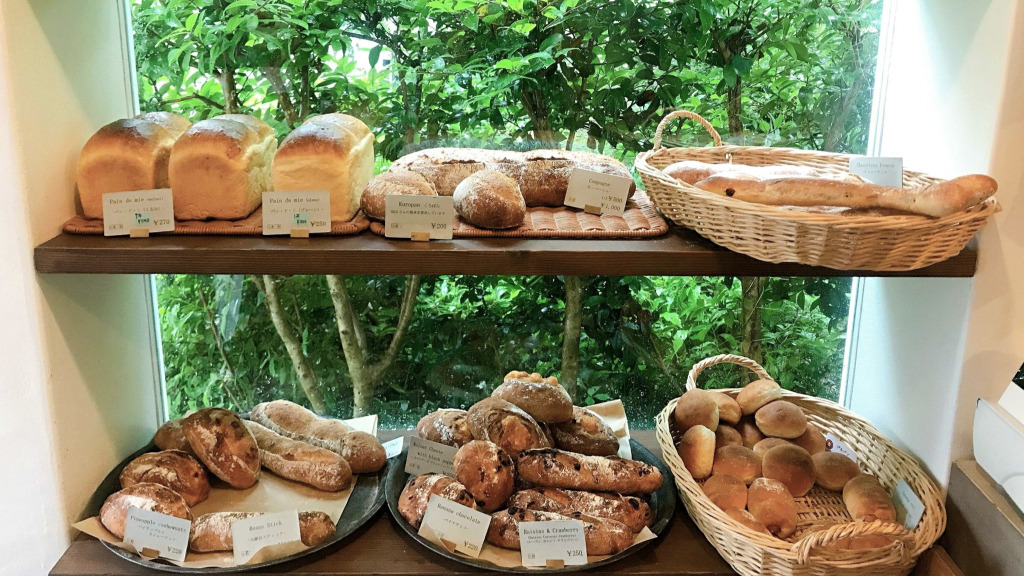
680, 253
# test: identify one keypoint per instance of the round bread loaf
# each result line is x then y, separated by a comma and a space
781, 419
791, 465
726, 435
696, 407
490, 199
771, 504
738, 461
747, 519
586, 433
412, 502
507, 425
488, 472
395, 181
728, 409
833, 470
147, 496
726, 491
811, 440
174, 469
222, 442
697, 450
542, 398
768, 443
867, 500
170, 436
749, 432
445, 426
756, 394
364, 453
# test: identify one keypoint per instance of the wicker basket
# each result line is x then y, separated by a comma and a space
772, 234
751, 553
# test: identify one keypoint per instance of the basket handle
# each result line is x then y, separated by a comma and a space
685, 114
806, 545
691, 378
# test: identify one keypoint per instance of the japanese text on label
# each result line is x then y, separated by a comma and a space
409, 214
252, 534
882, 171
166, 534
447, 521
543, 541
607, 192
426, 457
284, 211
151, 210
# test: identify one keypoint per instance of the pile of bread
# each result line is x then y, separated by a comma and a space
756, 454
281, 436
527, 454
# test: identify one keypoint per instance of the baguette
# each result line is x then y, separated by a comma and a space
212, 532
693, 171
629, 510
299, 461
602, 535
555, 468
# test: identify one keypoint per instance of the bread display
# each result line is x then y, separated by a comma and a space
790, 465
223, 443
212, 532
771, 504
487, 472
697, 450
412, 503
726, 491
781, 419
631, 511
696, 407
174, 469
220, 167
693, 171
445, 426
833, 470
147, 496
170, 436
299, 461
756, 394
125, 155
508, 426
298, 423
586, 433
811, 440
603, 536
738, 461
543, 399
490, 199
726, 435
728, 408
332, 151
395, 181
867, 500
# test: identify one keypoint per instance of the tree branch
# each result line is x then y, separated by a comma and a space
409, 296
571, 333
220, 347
273, 75
208, 101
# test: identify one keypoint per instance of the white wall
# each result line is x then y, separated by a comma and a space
76, 368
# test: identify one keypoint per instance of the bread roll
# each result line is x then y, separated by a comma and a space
632, 511
542, 398
726, 435
603, 536
212, 532
395, 181
412, 502
697, 450
867, 500
747, 519
225, 445
781, 419
147, 496
586, 433
833, 470
298, 423
487, 471
728, 409
299, 461
738, 461
696, 408
756, 394
791, 465
174, 469
560, 469
726, 491
333, 151
364, 453
508, 426
220, 167
130, 154
771, 504
170, 436
749, 432
768, 443
445, 426
811, 440
489, 199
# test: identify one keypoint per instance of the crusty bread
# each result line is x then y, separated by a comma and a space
696, 407
693, 171
299, 423
364, 453
507, 425
445, 426
299, 461
602, 535
542, 398
212, 532
147, 496
726, 491
791, 465
697, 450
586, 433
555, 468
771, 504
632, 511
738, 461
174, 469
728, 409
490, 199
867, 500
487, 471
222, 442
170, 436
756, 394
781, 419
412, 502
394, 181
833, 470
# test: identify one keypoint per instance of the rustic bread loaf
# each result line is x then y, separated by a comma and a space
212, 532
507, 425
364, 453
445, 426
603, 536
174, 469
170, 436
487, 471
222, 442
726, 491
781, 419
693, 171
299, 461
867, 500
298, 423
445, 168
586, 433
555, 468
147, 496
394, 181
490, 199
696, 407
412, 502
791, 465
544, 399
697, 450
771, 504
833, 470
756, 394
738, 461
634, 512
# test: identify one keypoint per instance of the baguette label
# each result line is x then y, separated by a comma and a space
881, 171
167, 535
542, 542
426, 457
589, 189
251, 535
454, 526
286, 211
909, 508
149, 210
394, 447
833, 444
411, 216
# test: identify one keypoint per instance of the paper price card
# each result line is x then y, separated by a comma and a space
909, 508
285, 211
426, 457
882, 171
544, 543
151, 532
149, 210
454, 526
419, 217
597, 192
833, 444
393, 448
253, 534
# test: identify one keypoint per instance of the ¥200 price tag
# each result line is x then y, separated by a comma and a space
543, 542
426, 457
419, 217
287, 211
597, 192
151, 532
149, 210
454, 526
881, 171
253, 534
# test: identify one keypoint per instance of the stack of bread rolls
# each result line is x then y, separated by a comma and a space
527, 454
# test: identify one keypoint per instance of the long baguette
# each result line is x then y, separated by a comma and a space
693, 171
299, 461
560, 469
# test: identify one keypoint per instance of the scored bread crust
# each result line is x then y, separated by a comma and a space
297, 422
490, 199
222, 442
147, 496
602, 535
544, 399
487, 471
629, 510
395, 181
174, 469
507, 425
299, 461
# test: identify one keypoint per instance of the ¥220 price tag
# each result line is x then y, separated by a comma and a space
149, 210
151, 532
543, 542
454, 526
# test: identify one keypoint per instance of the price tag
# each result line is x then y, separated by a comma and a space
426, 457
426, 217
882, 171
598, 192
147, 210
393, 448
253, 534
286, 211
542, 542
166, 535
833, 444
454, 526
909, 507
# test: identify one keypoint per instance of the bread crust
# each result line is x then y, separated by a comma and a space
833, 470
170, 436
771, 504
412, 502
487, 471
696, 407
212, 532
697, 451
364, 453
174, 469
586, 433
299, 461
602, 535
147, 496
542, 398
726, 491
490, 199
445, 426
394, 181
781, 419
756, 394
867, 500
738, 461
631, 511
791, 465
507, 425
223, 443
299, 423
555, 468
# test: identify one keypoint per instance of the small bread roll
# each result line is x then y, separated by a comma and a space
373, 200
756, 394
726, 435
747, 519
738, 461
811, 440
833, 470
728, 409
487, 471
771, 504
697, 449
726, 491
749, 432
363, 452
696, 408
781, 419
867, 500
791, 465
768, 443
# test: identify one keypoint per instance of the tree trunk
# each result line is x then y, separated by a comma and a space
571, 335
226, 77
750, 345
273, 75
540, 115
734, 96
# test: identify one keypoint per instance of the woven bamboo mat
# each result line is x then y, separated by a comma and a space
250, 226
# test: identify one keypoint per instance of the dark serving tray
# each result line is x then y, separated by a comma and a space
663, 506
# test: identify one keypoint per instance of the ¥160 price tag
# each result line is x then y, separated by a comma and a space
140, 210
543, 542
152, 533
285, 212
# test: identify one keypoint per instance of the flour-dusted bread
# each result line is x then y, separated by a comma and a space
555, 468
222, 442
394, 181
632, 511
364, 453
170, 436
147, 496
333, 152
172, 468
542, 398
220, 167
602, 535
445, 168
299, 461
487, 471
299, 423
867, 500
412, 502
212, 532
490, 199
129, 154
586, 433
446, 426
507, 425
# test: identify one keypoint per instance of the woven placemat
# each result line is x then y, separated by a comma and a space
250, 226
640, 220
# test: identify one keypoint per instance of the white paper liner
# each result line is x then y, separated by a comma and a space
614, 414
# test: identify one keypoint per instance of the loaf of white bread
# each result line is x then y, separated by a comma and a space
128, 154
220, 167
332, 151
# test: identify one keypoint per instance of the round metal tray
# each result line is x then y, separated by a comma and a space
663, 506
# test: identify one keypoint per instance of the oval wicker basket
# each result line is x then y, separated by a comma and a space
805, 553
773, 234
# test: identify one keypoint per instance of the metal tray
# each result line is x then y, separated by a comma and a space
366, 500
663, 506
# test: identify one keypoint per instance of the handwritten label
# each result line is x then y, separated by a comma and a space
394, 447
252, 534
606, 192
882, 171
455, 526
909, 507
426, 457
834, 444
284, 211
545, 541
420, 215
151, 210
167, 535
